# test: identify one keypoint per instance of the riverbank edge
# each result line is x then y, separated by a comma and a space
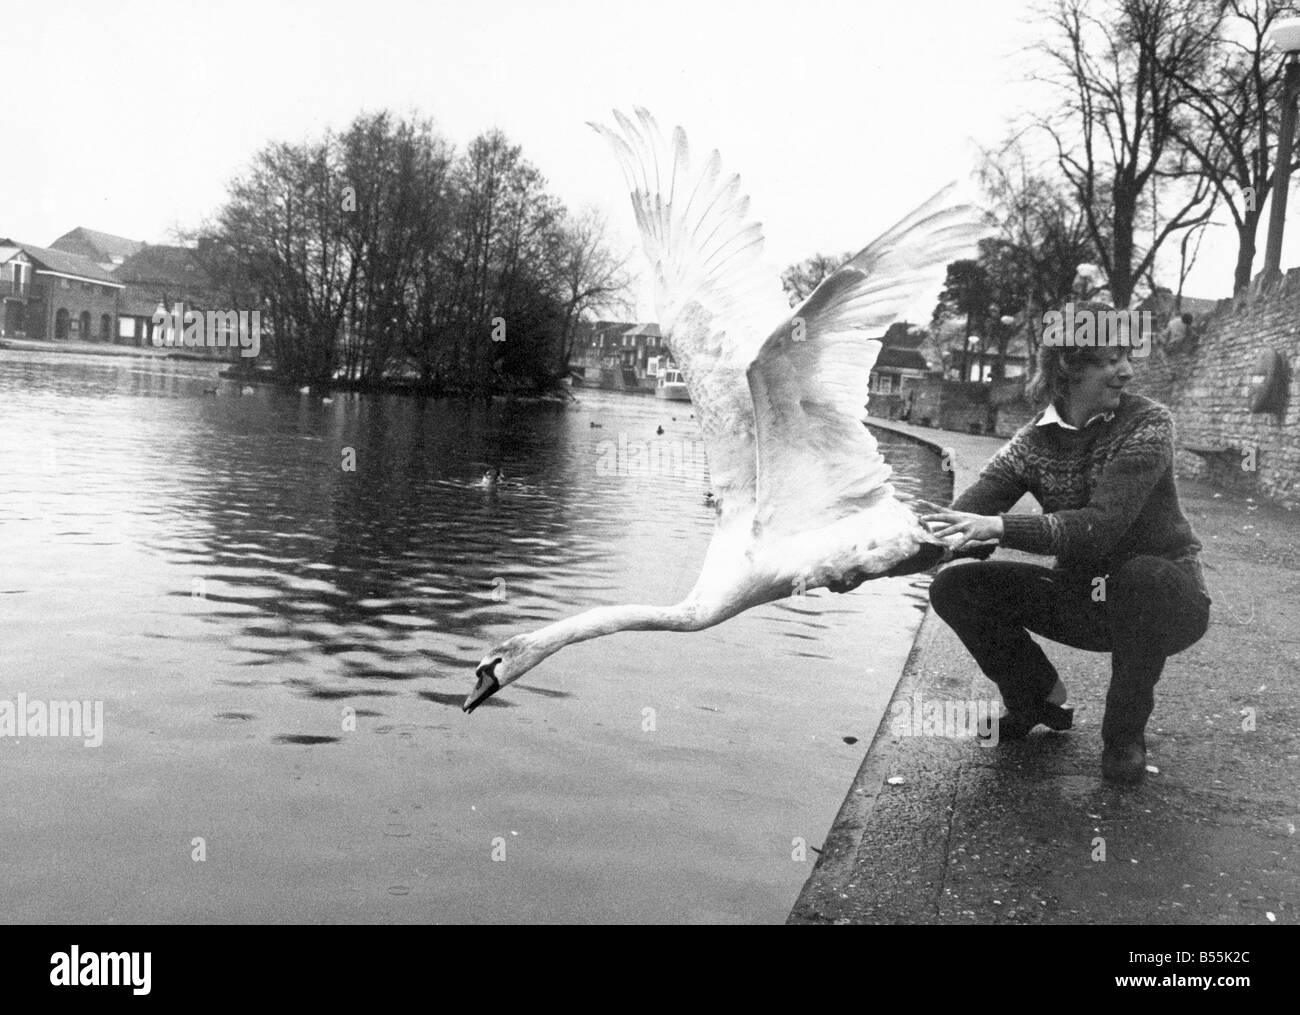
937, 829
966, 454
102, 349
230, 371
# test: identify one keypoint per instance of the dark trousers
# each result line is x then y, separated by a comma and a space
1151, 609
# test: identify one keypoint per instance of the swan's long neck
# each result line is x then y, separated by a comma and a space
605, 620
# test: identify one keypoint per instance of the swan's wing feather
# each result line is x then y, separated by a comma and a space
713, 298
816, 460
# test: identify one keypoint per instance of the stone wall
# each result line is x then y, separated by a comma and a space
964, 406
1011, 410
1206, 382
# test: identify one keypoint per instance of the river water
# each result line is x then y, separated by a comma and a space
281, 645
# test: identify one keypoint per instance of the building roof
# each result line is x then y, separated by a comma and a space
63, 263
647, 330
102, 248
159, 264
894, 358
902, 335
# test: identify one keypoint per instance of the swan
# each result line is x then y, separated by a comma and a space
490, 478
801, 491
247, 389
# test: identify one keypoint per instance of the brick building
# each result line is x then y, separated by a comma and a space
51, 294
160, 275
620, 355
96, 287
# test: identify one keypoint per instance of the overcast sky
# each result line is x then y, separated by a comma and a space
131, 117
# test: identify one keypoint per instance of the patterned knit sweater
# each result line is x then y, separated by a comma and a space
1107, 491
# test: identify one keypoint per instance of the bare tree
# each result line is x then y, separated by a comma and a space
1043, 234
1114, 134
1230, 120
587, 275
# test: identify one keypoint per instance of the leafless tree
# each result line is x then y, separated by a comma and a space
587, 274
1229, 123
1043, 234
1119, 67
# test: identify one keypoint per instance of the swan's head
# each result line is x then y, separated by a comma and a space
503, 665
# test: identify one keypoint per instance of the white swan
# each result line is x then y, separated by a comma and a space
802, 493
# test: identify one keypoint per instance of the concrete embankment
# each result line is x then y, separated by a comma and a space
941, 829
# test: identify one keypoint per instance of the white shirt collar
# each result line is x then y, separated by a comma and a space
1050, 415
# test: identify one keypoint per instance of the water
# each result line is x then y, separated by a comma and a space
281, 647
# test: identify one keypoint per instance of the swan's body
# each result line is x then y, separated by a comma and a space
801, 490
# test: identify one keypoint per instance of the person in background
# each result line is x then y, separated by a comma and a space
1126, 579
905, 414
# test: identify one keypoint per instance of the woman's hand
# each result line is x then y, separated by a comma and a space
977, 529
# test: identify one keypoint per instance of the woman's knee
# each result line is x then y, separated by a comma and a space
958, 587
949, 586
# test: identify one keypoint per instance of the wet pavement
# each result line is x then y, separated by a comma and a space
943, 829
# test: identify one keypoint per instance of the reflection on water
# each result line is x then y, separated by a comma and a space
280, 603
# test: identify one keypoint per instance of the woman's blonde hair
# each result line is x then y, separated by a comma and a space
1058, 364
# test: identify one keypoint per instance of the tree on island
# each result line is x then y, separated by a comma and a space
382, 254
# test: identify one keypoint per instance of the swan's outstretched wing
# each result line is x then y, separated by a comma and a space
816, 461
713, 298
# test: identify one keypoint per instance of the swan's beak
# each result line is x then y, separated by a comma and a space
487, 686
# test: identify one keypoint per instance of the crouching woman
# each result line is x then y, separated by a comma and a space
1127, 580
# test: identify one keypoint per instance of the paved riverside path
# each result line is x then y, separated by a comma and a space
104, 349
945, 830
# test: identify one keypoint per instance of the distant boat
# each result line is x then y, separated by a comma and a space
672, 386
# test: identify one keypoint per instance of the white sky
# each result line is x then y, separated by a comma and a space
839, 114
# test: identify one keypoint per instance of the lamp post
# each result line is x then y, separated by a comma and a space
1285, 35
